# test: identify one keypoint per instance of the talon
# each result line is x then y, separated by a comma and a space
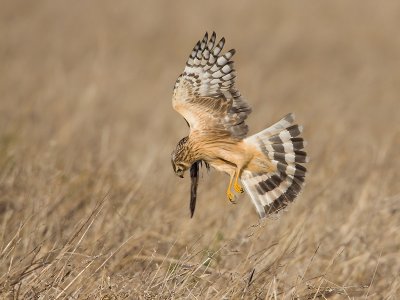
238, 188
230, 196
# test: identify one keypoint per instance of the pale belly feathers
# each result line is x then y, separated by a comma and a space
228, 157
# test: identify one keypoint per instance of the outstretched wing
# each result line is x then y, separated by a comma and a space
205, 93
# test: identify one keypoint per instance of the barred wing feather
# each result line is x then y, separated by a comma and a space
205, 93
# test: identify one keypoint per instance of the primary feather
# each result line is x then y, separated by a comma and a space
205, 93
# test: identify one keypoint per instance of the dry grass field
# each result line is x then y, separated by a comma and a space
89, 205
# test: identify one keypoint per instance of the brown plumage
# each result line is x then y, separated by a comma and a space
267, 163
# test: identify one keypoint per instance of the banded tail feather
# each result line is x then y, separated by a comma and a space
283, 145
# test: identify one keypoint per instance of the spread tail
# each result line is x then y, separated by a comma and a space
282, 144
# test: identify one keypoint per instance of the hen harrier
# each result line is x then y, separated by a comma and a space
267, 163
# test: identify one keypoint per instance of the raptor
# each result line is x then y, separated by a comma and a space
267, 165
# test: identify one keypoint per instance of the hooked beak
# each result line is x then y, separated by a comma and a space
179, 173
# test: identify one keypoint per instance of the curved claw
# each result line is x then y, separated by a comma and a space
231, 197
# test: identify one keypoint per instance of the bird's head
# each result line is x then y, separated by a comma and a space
179, 158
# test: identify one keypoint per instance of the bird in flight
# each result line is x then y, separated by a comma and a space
267, 165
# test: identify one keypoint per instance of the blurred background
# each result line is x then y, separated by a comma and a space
89, 204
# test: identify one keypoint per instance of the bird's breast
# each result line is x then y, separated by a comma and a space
223, 156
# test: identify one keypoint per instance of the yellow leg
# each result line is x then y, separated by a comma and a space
228, 191
236, 185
